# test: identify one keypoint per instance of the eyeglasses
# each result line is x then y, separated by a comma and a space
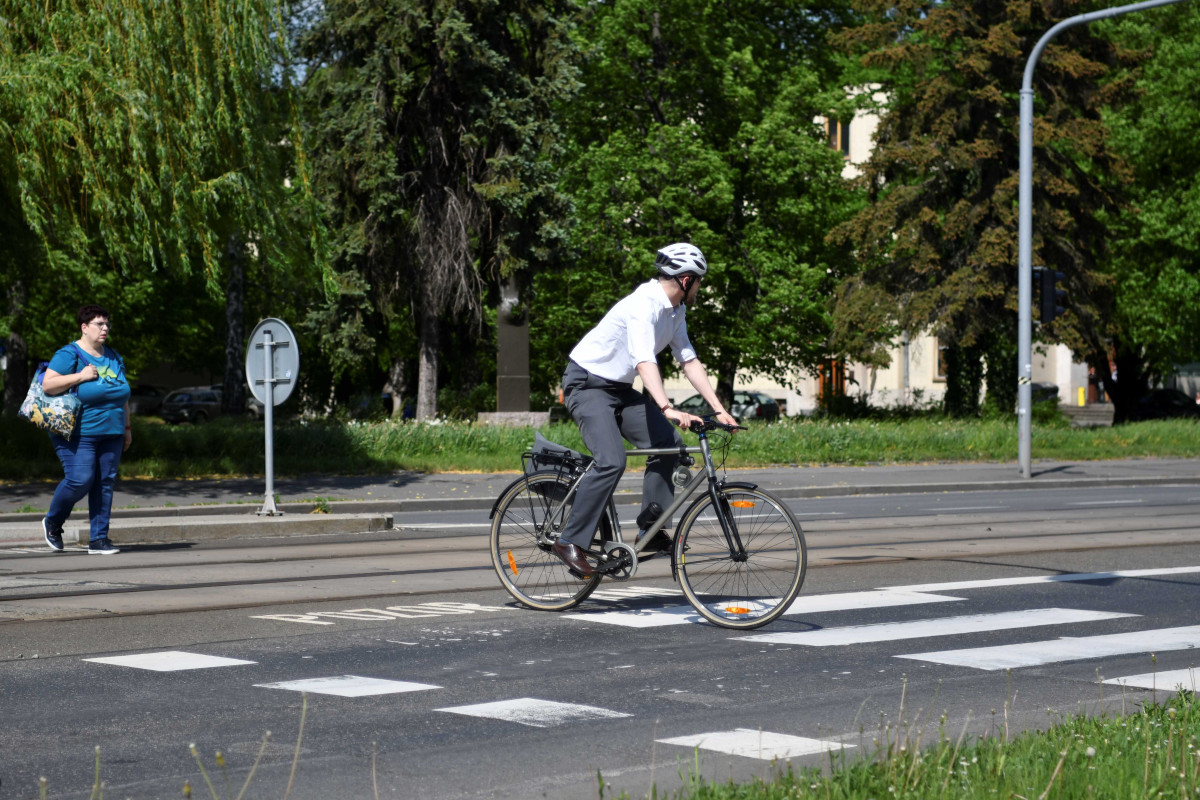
102, 324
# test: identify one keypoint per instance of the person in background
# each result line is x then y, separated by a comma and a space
91, 457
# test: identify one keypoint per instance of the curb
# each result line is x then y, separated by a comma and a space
169, 530
295, 511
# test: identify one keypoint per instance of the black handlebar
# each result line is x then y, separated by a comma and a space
710, 424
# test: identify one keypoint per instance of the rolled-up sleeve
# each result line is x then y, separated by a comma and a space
681, 345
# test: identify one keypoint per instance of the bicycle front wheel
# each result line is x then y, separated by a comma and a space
523, 532
749, 577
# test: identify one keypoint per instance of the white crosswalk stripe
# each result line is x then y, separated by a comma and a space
534, 712
1031, 654
349, 686
169, 661
810, 604
1168, 680
751, 743
944, 626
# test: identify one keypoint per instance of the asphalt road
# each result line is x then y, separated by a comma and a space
466, 695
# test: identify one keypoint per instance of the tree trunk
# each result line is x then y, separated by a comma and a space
397, 387
964, 379
427, 364
1126, 382
16, 378
726, 373
233, 396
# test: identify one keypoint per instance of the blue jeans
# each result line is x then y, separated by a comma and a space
89, 468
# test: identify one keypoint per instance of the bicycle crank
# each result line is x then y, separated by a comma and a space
619, 561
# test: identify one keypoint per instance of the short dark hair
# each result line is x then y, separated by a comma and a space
90, 312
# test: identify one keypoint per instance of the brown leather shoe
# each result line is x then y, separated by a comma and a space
573, 557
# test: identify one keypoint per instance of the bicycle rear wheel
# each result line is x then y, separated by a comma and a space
521, 541
729, 590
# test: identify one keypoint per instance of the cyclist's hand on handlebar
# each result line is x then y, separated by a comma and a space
725, 418
682, 418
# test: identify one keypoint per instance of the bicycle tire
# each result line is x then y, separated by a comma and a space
741, 594
520, 545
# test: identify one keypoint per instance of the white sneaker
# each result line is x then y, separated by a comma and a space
102, 546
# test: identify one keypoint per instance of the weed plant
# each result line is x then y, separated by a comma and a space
235, 447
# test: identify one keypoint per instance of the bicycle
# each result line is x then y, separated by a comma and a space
738, 553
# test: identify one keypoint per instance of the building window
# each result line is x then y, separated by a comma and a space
839, 135
940, 367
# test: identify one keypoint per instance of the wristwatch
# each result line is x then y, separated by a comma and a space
665, 406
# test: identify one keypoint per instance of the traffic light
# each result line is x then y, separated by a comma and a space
1053, 298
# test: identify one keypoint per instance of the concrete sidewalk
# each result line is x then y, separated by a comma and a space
189, 510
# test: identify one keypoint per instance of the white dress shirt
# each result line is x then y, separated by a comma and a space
636, 329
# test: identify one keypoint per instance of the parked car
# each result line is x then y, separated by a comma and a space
754, 406
1165, 404
1041, 392
191, 404
145, 399
746, 406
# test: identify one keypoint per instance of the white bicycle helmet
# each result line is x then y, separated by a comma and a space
679, 259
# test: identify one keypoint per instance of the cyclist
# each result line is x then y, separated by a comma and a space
599, 394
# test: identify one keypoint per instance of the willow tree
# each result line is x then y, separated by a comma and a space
141, 141
433, 123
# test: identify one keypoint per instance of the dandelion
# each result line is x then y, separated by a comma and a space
1090, 752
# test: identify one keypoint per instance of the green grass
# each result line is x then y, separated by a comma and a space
236, 447
1150, 754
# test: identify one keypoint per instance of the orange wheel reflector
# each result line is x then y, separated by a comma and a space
742, 503
512, 563
737, 610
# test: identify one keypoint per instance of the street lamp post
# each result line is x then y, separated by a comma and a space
1025, 230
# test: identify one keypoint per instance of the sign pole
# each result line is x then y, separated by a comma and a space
271, 378
269, 508
1025, 230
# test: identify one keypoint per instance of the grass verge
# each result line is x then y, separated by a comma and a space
1150, 754
236, 447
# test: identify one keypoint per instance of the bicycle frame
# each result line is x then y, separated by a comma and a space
707, 475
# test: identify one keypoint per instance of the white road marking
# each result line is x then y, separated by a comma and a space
419, 611
945, 626
535, 713
1033, 654
751, 743
439, 526
1108, 503
1168, 681
349, 686
814, 604
169, 661
989, 583
969, 508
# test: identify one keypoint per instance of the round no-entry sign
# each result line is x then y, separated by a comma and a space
274, 338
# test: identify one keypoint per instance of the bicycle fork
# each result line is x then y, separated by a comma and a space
737, 550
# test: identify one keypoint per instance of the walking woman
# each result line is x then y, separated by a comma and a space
90, 458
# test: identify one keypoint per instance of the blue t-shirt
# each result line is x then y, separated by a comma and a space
102, 401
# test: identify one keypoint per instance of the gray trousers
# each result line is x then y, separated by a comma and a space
605, 411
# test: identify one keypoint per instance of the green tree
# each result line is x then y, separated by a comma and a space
436, 158
1155, 239
697, 122
142, 141
938, 240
